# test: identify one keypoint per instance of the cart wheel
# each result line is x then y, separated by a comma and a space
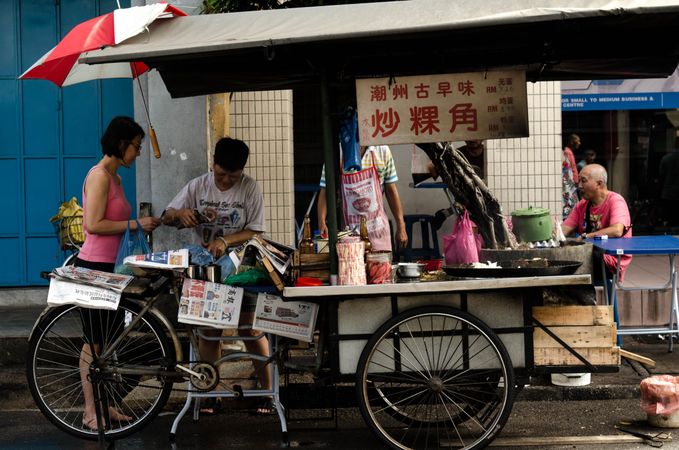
435, 377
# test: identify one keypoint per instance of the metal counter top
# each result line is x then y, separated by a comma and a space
432, 287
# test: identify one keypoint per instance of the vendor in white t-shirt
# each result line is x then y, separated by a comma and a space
227, 193
233, 204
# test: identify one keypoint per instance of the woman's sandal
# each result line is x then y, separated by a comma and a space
115, 416
212, 406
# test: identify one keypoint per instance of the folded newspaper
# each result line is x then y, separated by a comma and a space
87, 288
278, 254
210, 304
171, 259
291, 319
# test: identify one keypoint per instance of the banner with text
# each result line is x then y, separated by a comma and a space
437, 108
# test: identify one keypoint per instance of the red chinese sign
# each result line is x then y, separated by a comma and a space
436, 108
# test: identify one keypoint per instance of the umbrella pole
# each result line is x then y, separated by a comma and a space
152, 132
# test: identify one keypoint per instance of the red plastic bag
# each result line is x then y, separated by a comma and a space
462, 245
660, 394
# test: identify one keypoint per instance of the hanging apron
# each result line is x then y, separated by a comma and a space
362, 196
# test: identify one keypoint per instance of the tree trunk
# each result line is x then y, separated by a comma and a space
471, 192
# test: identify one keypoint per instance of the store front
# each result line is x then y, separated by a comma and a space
631, 126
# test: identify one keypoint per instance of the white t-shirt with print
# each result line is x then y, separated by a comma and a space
238, 208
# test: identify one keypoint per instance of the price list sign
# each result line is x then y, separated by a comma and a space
438, 108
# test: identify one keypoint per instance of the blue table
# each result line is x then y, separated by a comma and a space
643, 245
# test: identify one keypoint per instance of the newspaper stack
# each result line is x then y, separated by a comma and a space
274, 257
210, 304
87, 288
171, 259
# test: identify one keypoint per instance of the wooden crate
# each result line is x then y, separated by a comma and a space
561, 357
574, 315
315, 265
589, 330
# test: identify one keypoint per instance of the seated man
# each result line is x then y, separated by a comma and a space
600, 212
236, 203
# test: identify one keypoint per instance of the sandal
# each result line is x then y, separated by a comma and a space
212, 406
265, 407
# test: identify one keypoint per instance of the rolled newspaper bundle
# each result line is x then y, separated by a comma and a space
351, 266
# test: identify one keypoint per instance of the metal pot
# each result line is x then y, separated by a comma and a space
532, 224
409, 270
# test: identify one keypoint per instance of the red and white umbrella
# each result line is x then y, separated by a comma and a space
60, 65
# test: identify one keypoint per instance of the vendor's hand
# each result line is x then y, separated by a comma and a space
148, 224
186, 217
401, 237
217, 247
323, 230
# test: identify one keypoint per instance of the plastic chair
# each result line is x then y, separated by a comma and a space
430, 242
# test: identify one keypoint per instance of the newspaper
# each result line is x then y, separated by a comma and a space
210, 304
87, 288
278, 254
291, 319
171, 259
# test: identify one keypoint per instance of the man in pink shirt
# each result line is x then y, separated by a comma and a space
600, 212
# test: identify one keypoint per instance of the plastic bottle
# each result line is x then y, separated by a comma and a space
307, 243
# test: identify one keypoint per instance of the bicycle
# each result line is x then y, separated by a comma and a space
133, 372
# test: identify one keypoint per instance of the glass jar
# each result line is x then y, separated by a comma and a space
378, 267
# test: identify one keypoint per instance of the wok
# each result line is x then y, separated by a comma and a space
553, 268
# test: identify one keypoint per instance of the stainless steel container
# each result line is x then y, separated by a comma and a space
213, 272
195, 271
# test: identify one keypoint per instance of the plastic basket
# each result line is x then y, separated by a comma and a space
71, 232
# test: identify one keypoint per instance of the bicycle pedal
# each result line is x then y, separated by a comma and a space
238, 390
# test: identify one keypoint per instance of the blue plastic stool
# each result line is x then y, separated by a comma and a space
430, 242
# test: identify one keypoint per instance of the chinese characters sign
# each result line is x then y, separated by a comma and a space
435, 108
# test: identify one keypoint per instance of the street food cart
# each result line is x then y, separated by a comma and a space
434, 363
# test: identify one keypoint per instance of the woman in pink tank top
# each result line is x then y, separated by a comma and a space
106, 216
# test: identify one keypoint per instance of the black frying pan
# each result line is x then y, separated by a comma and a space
554, 268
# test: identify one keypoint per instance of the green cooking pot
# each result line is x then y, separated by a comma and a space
532, 224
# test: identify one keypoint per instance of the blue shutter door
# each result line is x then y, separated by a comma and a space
49, 137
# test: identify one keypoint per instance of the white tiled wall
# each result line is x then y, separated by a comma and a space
527, 171
264, 121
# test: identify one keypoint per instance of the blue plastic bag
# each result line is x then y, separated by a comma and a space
132, 243
200, 256
351, 150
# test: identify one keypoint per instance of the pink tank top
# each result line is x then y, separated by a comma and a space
101, 247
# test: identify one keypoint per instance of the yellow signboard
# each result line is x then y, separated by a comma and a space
436, 108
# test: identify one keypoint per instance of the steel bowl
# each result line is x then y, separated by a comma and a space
409, 270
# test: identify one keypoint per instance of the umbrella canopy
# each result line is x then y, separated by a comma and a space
60, 65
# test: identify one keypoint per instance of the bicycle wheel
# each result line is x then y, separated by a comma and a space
54, 376
435, 377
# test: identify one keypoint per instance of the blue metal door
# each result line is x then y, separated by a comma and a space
49, 136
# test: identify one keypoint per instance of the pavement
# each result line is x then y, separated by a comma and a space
16, 324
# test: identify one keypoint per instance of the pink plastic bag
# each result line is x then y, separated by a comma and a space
462, 245
660, 394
